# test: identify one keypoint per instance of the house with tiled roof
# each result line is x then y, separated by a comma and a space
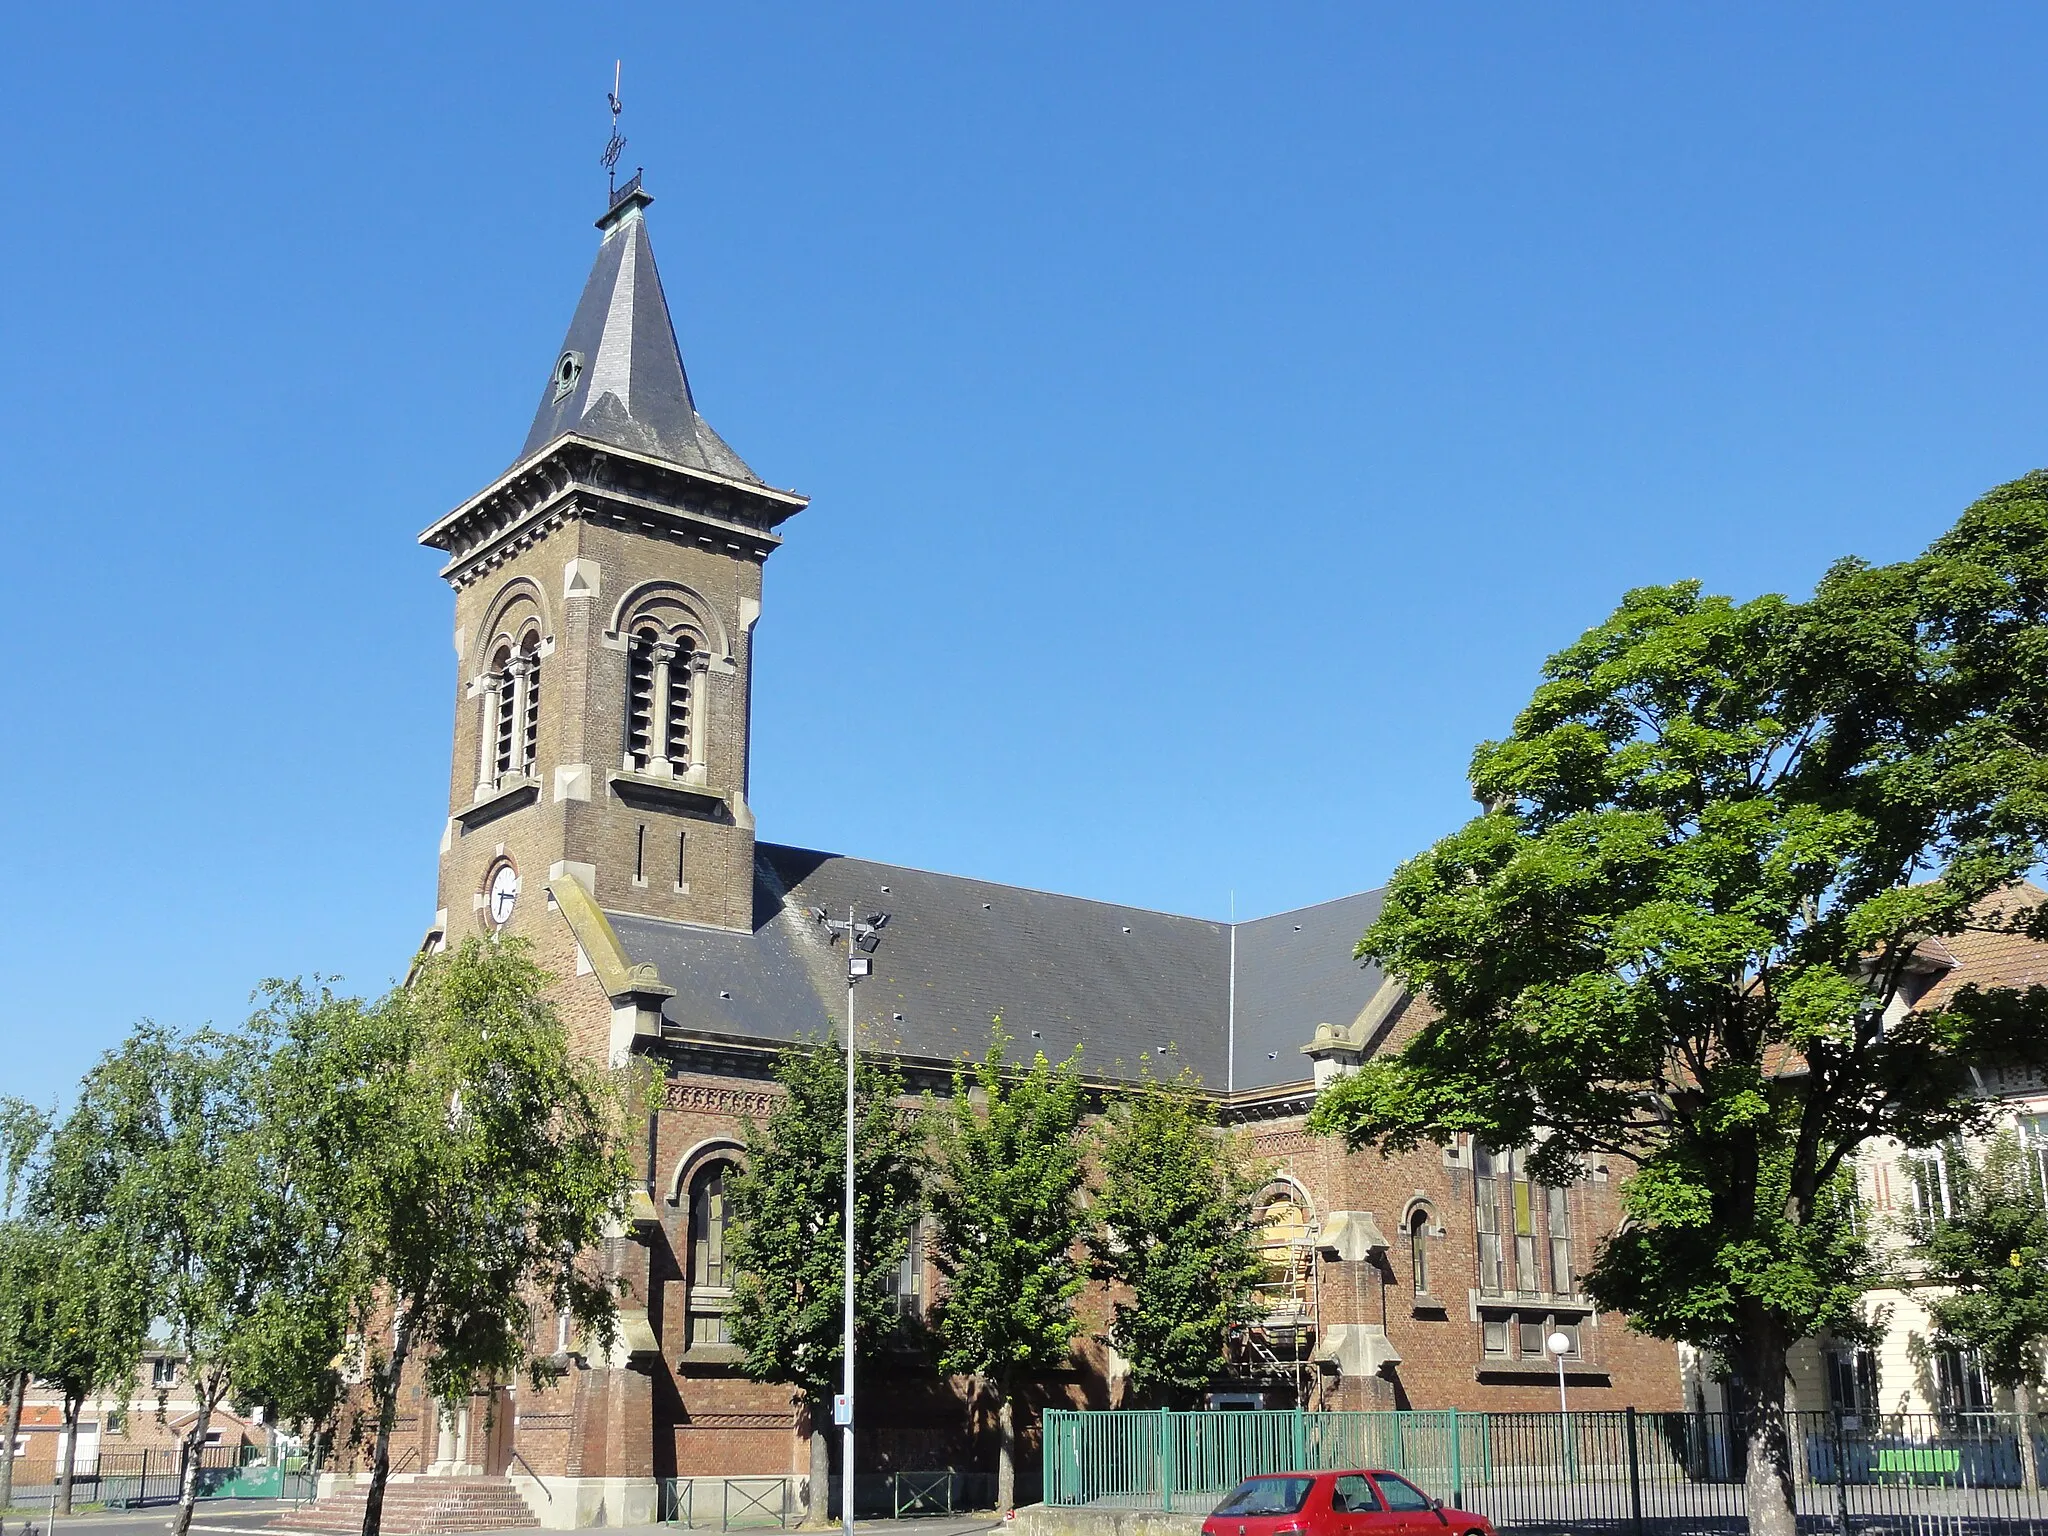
1910, 1371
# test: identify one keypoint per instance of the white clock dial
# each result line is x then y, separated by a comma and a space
504, 892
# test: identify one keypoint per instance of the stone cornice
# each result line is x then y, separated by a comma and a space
574, 477
1285, 1102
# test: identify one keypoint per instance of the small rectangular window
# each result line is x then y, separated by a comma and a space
1495, 1334
1570, 1331
683, 861
640, 853
163, 1372
1532, 1340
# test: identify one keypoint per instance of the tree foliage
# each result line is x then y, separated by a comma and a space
26, 1269
1176, 1229
92, 1300
1006, 1199
787, 1238
478, 1162
1712, 847
1990, 1254
211, 1178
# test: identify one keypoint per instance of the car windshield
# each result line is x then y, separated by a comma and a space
1267, 1496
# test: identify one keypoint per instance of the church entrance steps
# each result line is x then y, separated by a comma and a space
423, 1506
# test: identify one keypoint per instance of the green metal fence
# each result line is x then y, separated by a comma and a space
1629, 1473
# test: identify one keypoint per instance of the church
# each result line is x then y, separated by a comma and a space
607, 588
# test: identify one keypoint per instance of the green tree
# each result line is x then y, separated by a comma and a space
1992, 1254
787, 1239
479, 1163
210, 1178
91, 1297
286, 1359
1006, 1202
1711, 847
24, 1270
1175, 1229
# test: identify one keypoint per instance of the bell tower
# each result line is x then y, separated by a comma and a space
606, 590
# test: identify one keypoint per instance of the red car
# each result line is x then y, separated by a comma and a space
1361, 1503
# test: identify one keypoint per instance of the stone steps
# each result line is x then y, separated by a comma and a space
425, 1506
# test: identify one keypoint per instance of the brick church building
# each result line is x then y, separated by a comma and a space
607, 586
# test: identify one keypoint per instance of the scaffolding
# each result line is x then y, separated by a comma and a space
1278, 1342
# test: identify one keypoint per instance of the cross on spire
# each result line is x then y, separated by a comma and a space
615, 146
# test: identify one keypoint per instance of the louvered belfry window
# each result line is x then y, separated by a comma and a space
679, 670
507, 712
530, 735
515, 686
660, 687
640, 699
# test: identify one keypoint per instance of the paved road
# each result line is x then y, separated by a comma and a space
251, 1515
239, 1516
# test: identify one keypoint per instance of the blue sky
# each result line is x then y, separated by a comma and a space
1213, 414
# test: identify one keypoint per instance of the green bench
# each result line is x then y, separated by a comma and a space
1919, 1464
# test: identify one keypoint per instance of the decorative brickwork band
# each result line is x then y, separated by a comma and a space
1281, 1141
741, 1421
680, 1094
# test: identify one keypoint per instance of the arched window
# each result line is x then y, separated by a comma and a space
529, 656
514, 687
640, 699
661, 675
506, 684
710, 1276
681, 673
1418, 1249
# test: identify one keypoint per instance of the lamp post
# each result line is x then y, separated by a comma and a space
862, 935
1559, 1344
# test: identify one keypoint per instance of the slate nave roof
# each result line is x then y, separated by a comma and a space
1127, 984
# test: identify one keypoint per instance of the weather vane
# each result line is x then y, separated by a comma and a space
615, 145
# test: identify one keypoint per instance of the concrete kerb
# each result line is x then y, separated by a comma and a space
1055, 1520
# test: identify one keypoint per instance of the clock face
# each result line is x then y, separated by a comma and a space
502, 894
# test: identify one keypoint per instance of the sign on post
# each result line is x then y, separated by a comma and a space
842, 1408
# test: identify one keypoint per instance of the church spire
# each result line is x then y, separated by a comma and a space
619, 376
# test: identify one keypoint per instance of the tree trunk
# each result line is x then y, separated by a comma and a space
818, 1504
2023, 1407
387, 1415
15, 1393
1767, 1479
1006, 1448
71, 1406
195, 1452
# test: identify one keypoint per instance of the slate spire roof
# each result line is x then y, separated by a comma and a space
619, 376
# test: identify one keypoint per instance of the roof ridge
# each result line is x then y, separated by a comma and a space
1223, 923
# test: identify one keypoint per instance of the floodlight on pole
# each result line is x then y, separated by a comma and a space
862, 935
1560, 1345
